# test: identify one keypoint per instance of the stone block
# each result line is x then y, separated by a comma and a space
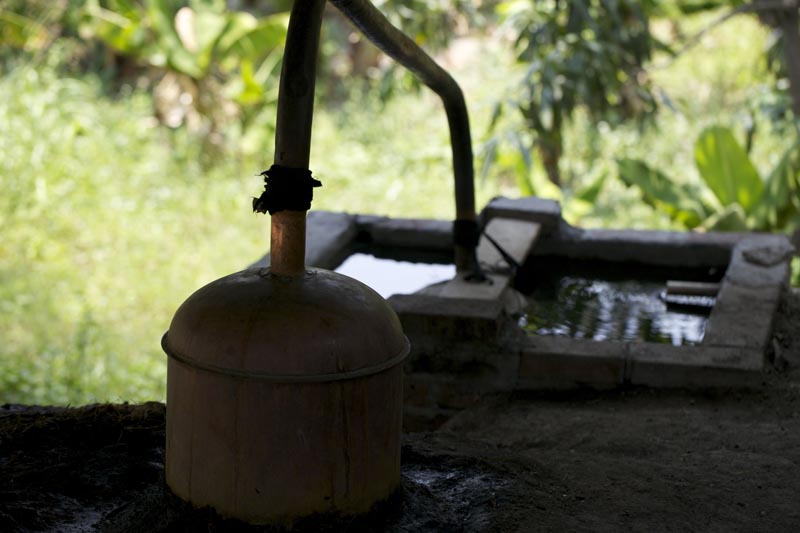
408, 233
742, 316
761, 261
662, 248
530, 208
455, 326
515, 237
489, 290
667, 366
564, 363
446, 308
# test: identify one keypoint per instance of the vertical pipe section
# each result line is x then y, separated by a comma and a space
293, 129
374, 25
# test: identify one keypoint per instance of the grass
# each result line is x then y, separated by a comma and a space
105, 231
107, 222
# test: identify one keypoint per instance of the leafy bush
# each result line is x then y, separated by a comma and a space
216, 67
102, 227
577, 54
108, 221
735, 197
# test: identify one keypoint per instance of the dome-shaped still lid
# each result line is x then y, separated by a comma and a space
322, 326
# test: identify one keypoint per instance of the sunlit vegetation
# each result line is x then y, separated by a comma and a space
113, 211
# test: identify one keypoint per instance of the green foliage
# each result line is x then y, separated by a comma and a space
32, 25
21, 31
108, 221
779, 54
429, 22
578, 53
726, 168
780, 200
198, 39
218, 67
677, 200
740, 198
587, 52
101, 226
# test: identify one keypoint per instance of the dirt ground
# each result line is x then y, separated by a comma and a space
640, 460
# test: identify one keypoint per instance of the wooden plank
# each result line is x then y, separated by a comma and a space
515, 237
491, 289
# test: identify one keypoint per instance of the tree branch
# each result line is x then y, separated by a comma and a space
754, 7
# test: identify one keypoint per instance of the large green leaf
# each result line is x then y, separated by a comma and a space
732, 218
122, 28
253, 41
520, 160
208, 28
590, 192
678, 201
20, 31
780, 201
726, 168
167, 50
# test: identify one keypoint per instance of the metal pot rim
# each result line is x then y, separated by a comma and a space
269, 377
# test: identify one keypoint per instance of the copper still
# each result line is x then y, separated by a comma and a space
284, 387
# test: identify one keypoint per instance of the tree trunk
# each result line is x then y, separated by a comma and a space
791, 51
551, 155
551, 145
784, 18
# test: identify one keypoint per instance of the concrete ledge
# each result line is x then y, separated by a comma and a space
564, 363
750, 293
407, 233
761, 261
742, 316
661, 248
694, 366
732, 353
449, 318
532, 209
490, 290
428, 305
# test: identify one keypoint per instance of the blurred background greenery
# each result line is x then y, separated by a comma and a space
131, 132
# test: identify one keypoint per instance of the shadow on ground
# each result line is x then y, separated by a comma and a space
636, 459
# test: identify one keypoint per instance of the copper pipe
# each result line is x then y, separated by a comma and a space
288, 243
293, 129
377, 28
296, 105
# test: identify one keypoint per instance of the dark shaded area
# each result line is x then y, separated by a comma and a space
645, 460
539, 268
65, 466
101, 468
